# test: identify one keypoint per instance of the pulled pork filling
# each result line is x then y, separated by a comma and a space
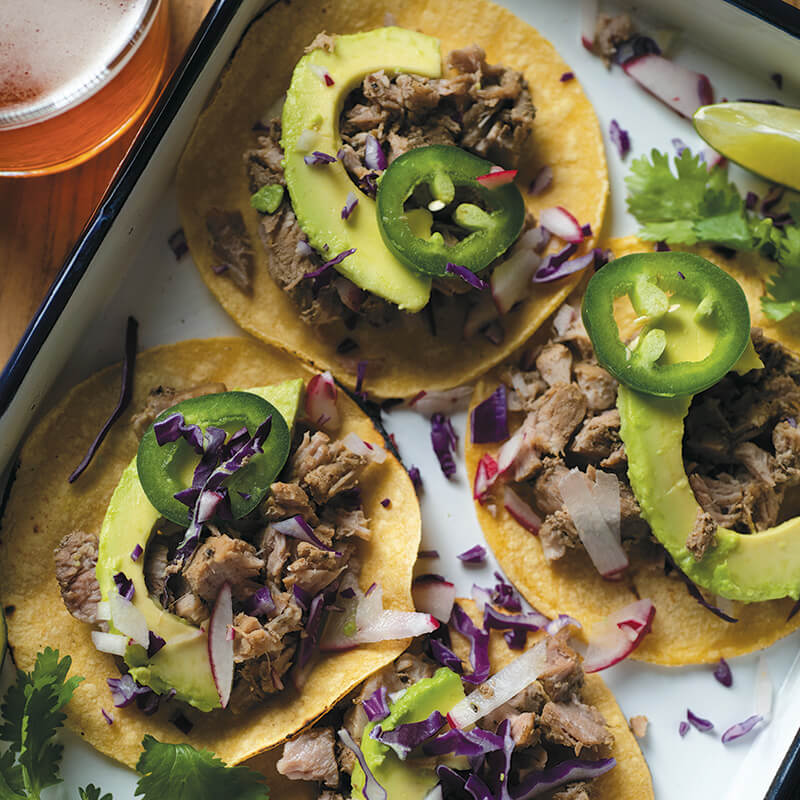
319, 482
741, 444
548, 720
483, 108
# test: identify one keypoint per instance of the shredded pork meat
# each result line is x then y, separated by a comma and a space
76, 558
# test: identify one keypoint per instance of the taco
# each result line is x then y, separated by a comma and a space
565, 736
292, 241
710, 502
221, 601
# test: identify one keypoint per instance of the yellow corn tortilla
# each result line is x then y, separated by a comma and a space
43, 507
683, 631
628, 780
403, 356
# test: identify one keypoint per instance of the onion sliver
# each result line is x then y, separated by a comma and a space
371, 451
109, 643
127, 619
220, 647
520, 510
501, 687
103, 610
618, 635
434, 596
596, 519
320, 402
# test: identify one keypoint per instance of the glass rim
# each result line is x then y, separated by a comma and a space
51, 107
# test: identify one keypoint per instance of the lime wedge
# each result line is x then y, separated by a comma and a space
762, 138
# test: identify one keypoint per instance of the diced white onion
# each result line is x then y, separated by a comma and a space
110, 643
103, 610
127, 619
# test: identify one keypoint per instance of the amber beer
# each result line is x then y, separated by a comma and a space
74, 75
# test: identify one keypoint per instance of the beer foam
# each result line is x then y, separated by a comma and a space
50, 50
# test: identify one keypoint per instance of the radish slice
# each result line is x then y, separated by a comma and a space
321, 402
511, 280
480, 315
109, 643
220, 647
517, 455
595, 510
542, 181
128, 620
485, 476
349, 293
434, 596
618, 635
448, 402
683, 90
497, 178
500, 688
588, 23
371, 451
521, 511
562, 224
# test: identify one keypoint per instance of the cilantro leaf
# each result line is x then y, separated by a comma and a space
691, 205
91, 792
11, 784
32, 712
181, 772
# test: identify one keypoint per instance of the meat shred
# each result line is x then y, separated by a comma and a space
76, 558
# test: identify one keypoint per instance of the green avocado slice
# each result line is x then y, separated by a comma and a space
182, 664
745, 567
401, 781
311, 122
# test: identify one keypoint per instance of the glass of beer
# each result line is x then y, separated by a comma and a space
74, 76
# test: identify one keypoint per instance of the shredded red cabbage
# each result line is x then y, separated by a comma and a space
472, 744
406, 737
368, 184
505, 595
155, 643
308, 642
349, 206
374, 157
107, 717
532, 621
467, 275
443, 655
302, 596
479, 645
750, 201
174, 427
516, 639
428, 554
683, 728
297, 528
372, 789
124, 585
361, 371
701, 724
125, 690
475, 555
489, 419
416, 478
567, 76
444, 441
554, 267
318, 159
125, 394
740, 729
136, 552
499, 763
260, 603
376, 706
578, 769
722, 672
386, 502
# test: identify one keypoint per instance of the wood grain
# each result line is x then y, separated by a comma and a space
42, 218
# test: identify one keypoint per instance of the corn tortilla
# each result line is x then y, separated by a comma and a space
403, 356
43, 507
683, 631
628, 780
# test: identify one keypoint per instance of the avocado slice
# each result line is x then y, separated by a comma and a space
745, 567
319, 193
182, 664
401, 781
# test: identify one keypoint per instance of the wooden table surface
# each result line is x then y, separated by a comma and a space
41, 218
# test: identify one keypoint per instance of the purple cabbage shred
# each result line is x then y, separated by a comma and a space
260, 603
479, 645
124, 585
683, 728
317, 159
155, 643
107, 717
137, 551
124, 690
443, 655
445, 442
386, 502
467, 275
372, 789
489, 419
406, 737
567, 76
722, 672
701, 724
376, 706
428, 554
620, 138
475, 555
740, 729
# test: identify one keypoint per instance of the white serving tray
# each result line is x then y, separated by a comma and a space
134, 272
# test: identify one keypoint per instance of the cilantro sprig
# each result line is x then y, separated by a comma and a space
32, 714
693, 205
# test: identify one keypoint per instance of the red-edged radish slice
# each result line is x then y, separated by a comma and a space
371, 451
485, 476
128, 620
320, 403
220, 646
595, 511
434, 595
511, 280
588, 13
500, 688
441, 402
682, 89
561, 223
616, 637
520, 510
110, 643
389, 625
497, 178
542, 181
